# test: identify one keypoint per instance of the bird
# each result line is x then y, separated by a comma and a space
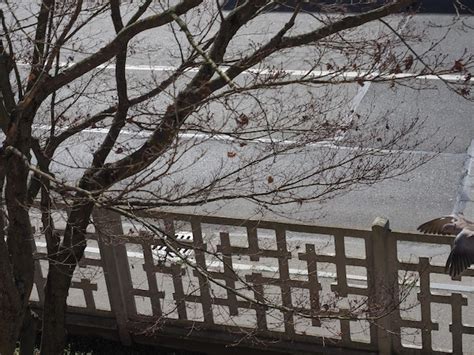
462, 252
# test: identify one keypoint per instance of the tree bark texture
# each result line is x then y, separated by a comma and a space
61, 269
16, 255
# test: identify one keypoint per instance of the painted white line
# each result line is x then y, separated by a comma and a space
313, 74
226, 138
308, 74
356, 101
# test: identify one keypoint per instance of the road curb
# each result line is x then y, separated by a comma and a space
465, 201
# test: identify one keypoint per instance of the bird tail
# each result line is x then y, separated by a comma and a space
457, 262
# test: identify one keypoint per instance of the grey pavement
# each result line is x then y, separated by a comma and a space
436, 188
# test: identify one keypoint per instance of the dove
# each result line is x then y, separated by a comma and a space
462, 252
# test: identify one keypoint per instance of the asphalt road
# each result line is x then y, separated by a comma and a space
437, 188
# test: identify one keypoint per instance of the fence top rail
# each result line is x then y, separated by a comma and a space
254, 223
423, 238
287, 226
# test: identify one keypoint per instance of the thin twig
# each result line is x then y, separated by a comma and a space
198, 49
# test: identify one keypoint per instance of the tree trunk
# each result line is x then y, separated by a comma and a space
18, 250
15, 280
54, 309
61, 269
28, 333
19, 234
10, 306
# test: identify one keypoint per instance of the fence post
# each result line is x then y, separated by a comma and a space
383, 283
113, 252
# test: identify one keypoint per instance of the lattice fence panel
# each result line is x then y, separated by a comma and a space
281, 293
272, 282
88, 291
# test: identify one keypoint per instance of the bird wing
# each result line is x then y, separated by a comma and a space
453, 225
462, 254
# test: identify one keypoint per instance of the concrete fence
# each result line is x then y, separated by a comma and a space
221, 282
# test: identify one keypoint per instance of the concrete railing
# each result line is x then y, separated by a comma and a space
261, 284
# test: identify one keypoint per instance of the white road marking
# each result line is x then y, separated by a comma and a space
346, 75
309, 74
226, 138
314, 74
